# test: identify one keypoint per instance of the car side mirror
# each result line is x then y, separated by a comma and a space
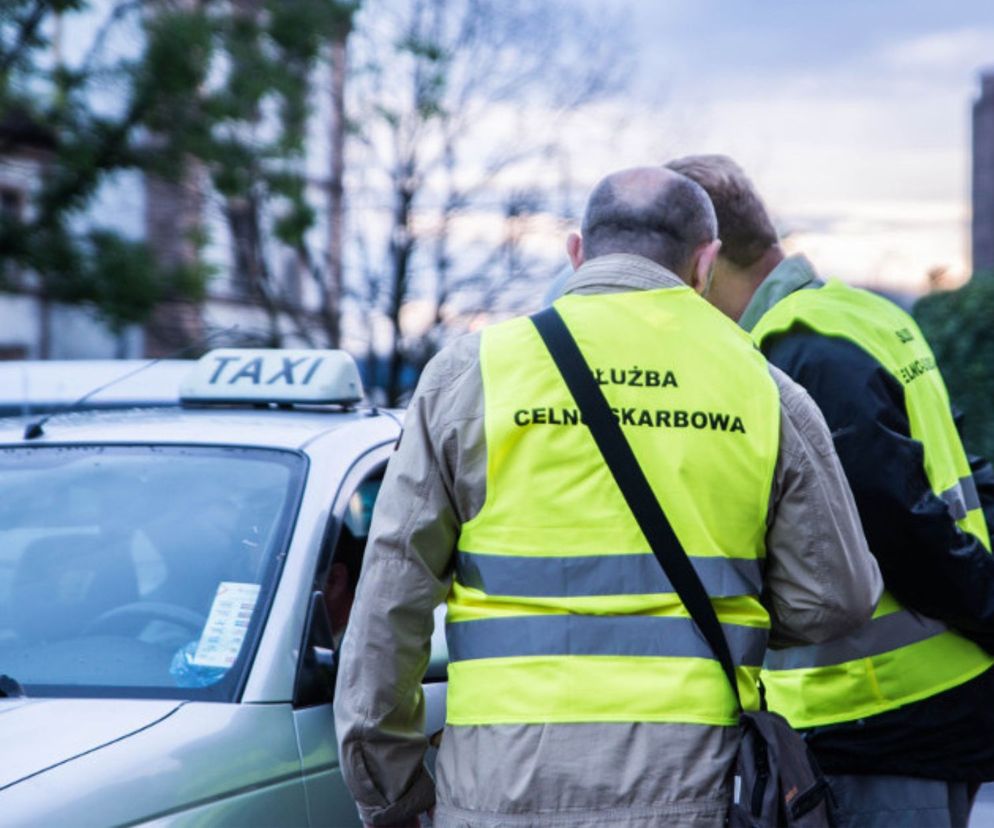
326, 659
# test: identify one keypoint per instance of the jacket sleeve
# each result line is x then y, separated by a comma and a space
927, 561
983, 476
821, 581
379, 704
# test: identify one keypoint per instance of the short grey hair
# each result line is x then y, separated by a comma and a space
744, 225
663, 218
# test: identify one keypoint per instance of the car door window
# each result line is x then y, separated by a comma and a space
340, 563
335, 581
343, 576
339, 583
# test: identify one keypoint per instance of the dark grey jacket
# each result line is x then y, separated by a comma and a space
927, 562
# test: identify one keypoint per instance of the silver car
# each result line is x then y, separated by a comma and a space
173, 586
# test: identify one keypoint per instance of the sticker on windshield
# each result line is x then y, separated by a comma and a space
226, 625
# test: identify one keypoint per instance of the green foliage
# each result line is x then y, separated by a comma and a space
215, 85
246, 122
958, 326
122, 279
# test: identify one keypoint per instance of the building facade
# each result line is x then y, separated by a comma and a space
983, 176
164, 215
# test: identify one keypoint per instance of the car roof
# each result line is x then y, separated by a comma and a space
43, 385
209, 425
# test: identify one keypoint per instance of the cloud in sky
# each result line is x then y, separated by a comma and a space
852, 116
854, 111
726, 38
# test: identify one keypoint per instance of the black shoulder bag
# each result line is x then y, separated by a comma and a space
777, 781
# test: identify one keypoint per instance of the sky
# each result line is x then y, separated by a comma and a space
851, 116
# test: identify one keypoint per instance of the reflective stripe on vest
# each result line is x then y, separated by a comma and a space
638, 574
597, 635
880, 635
558, 610
961, 498
899, 656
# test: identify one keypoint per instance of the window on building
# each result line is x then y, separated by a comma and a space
11, 208
11, 202
10, 352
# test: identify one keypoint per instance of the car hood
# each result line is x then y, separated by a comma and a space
216, 763
37, 734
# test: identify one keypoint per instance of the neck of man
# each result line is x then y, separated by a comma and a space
741, 283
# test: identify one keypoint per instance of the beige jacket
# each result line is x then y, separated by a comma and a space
820, 582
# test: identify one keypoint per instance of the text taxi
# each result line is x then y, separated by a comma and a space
174, 583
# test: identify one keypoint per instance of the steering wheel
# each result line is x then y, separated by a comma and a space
127, 615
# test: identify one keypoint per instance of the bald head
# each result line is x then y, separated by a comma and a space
652, 212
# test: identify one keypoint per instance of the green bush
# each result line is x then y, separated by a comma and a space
959, 325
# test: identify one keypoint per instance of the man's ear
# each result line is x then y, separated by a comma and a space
574, 249
703, 269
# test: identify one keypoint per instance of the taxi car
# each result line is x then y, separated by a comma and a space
167, 623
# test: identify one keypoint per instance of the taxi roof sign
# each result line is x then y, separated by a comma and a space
273, 375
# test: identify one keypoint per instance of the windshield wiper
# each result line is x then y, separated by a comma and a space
10, 688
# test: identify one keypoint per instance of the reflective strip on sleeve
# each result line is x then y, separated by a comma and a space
971, 497
584, 575
961, 498
597, 635
879, 635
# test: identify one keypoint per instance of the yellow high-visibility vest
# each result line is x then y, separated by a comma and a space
559, 612
899, 656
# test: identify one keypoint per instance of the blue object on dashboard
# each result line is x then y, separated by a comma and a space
187, 674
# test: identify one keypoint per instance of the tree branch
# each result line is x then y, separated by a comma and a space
27, 30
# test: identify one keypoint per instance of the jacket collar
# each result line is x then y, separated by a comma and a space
793, 273
618, 272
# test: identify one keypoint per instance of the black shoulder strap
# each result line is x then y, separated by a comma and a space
631, 480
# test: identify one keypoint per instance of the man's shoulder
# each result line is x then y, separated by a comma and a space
864, 309
805, 354
451, 363
846, 382
802, 413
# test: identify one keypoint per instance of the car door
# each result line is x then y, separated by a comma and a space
329, 802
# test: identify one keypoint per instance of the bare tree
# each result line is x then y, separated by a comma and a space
457, 102
254, 147
338, 66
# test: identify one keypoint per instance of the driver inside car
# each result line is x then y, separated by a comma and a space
343, 576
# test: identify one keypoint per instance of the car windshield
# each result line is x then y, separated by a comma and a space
139, 571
